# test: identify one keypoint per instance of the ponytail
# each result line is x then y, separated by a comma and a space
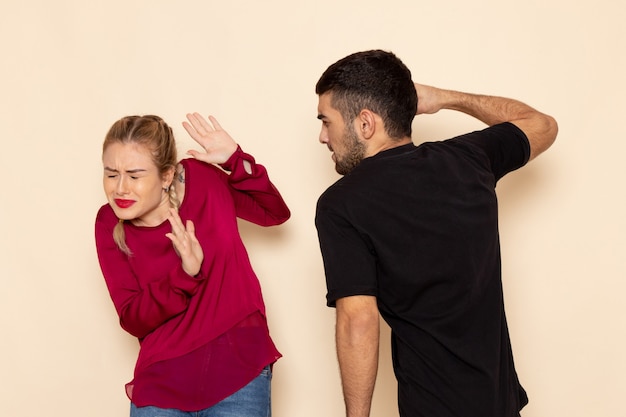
120, 238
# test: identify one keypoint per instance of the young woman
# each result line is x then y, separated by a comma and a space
177, 270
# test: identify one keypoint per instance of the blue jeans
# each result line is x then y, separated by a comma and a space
253, 400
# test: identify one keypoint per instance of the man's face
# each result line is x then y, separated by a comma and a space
341, 138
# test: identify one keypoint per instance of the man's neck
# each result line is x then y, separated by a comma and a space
386, 144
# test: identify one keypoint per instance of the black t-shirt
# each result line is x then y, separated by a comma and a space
417, 227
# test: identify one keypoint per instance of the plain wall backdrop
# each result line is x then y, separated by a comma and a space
71, 68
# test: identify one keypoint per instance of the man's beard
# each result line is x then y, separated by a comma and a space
355, 153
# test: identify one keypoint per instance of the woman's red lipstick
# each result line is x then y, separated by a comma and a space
124, 203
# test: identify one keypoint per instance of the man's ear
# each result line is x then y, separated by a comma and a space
367, 123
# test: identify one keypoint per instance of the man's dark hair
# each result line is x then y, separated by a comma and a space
375, 80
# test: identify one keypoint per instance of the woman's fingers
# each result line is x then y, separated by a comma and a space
186, 243
215, 123
202, 125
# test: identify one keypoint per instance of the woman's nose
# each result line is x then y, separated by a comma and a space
122, 187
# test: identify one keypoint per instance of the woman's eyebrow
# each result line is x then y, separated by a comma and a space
129, 171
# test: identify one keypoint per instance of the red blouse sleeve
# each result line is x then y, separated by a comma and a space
141, 310
256, 199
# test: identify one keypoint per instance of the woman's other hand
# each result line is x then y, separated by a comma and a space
186, 244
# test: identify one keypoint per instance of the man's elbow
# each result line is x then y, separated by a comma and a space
543, 135
552, 128
357, 316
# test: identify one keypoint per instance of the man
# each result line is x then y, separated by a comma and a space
412, 233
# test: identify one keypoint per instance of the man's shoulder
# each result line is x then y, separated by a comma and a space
334, 191
499, 131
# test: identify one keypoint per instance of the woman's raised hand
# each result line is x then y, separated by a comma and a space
217, 144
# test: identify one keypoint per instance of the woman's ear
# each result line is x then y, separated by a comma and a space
168, 177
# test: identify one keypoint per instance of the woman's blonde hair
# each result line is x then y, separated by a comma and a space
153, 133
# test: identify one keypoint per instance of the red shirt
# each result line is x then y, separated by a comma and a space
201, 338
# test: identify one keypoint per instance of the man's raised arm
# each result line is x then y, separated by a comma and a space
540, 128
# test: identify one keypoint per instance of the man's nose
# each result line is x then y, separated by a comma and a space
323, 138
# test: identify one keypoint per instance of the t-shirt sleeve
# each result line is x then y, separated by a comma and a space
505, 146
349, 261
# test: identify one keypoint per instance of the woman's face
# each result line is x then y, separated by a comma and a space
133, 185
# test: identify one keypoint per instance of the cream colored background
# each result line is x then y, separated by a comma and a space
71, 68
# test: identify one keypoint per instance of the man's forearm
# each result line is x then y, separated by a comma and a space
489, 109
357, 350
540, 128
